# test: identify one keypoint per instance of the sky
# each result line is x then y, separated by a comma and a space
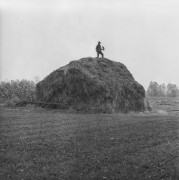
39, 36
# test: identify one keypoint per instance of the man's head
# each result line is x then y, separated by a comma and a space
99, 42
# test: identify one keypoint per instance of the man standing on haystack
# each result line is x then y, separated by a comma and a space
99, 49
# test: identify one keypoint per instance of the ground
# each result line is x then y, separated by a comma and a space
49, 144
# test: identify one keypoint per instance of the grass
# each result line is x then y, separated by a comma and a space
48, 144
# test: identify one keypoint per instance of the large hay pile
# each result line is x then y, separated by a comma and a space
93, 85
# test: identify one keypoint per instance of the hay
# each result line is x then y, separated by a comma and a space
93, 85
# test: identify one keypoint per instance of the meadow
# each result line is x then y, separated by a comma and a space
38, 143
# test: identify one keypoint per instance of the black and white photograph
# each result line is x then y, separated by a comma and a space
89, 90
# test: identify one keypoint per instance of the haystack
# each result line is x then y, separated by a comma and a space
92, 85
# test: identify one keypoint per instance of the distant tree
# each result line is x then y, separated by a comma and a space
153, 89
172, 90
5, 91
162, 91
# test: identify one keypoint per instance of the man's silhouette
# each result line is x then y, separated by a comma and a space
99, 49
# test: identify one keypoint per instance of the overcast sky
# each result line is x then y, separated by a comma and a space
39, 36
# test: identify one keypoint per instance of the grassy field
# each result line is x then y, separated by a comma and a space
49, 144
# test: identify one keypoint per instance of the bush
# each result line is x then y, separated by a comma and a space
12, 102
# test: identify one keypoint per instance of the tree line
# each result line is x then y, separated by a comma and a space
155, 89
17, 91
